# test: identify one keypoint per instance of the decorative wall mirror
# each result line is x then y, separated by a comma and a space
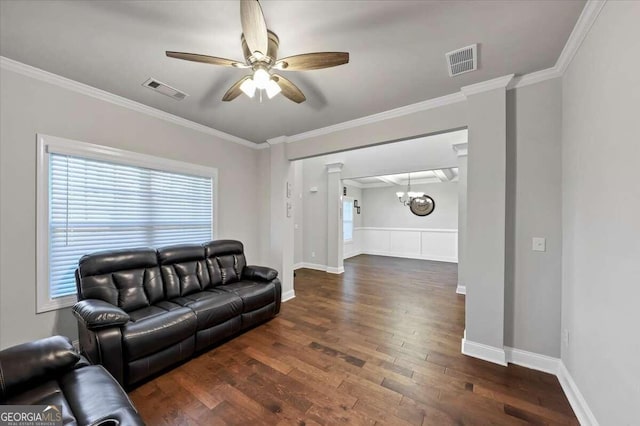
422, 206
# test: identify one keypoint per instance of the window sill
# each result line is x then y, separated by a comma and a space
56, 304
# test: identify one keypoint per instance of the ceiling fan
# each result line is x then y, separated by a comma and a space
260, 48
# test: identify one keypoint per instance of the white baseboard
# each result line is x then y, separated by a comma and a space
288, 295
537, 362
314, 266
532, 360
353, 254
411, 256
578, 403
461, 289
298, 265
332, 270
484, 352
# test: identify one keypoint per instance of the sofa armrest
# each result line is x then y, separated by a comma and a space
259, 273
96, 314
23, 365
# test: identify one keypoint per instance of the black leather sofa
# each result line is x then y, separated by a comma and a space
143, 310
51, 372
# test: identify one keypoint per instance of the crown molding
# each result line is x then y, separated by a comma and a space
484, 86
66, 83
392, 113
534, 77
279, 139
584, 23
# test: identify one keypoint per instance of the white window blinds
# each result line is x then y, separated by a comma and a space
98, 205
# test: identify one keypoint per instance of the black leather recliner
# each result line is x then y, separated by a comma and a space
50, 372
143, 310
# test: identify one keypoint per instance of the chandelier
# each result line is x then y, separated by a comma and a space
407, 197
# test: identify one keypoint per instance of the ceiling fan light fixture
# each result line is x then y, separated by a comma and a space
272, 89
261, 78
248, 87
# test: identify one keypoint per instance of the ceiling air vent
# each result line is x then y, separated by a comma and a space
165, 89
462, 60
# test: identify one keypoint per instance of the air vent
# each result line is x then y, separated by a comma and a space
165, 89
462, 60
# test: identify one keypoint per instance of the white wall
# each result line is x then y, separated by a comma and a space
600, 215
381, 208
29, 106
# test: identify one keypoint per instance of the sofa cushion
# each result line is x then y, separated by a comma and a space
156, 327
225, 261
129, 279
212, 307
23, 365
254, 295
45, 393
184, 269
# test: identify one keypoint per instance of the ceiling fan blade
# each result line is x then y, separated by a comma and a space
253, 26
289, 89
313, 61
194, 57
235, 91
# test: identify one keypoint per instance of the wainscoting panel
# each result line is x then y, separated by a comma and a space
412, 243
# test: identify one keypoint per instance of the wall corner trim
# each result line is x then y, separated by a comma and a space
461, 289
576, 399
461, 149
484, 352
484, 86
532, 360
288, 295
84, 89
333, 270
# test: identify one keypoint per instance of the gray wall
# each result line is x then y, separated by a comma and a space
532, 282
29, 106
485, 251
381, 208
601, 215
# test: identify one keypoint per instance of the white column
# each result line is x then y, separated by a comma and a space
461, 151
281, 209
486, 201
334, 219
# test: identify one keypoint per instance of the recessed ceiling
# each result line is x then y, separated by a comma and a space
396, 51
402, 179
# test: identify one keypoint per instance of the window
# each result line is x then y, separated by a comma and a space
347, 219
93, 198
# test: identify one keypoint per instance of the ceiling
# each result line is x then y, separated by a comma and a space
396, 50
402, 179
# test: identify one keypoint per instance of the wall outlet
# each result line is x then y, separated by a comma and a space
313, 254
565, 338
538, 244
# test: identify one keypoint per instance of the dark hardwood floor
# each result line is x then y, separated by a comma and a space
379, 344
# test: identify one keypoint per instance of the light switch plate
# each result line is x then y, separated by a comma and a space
539, 244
